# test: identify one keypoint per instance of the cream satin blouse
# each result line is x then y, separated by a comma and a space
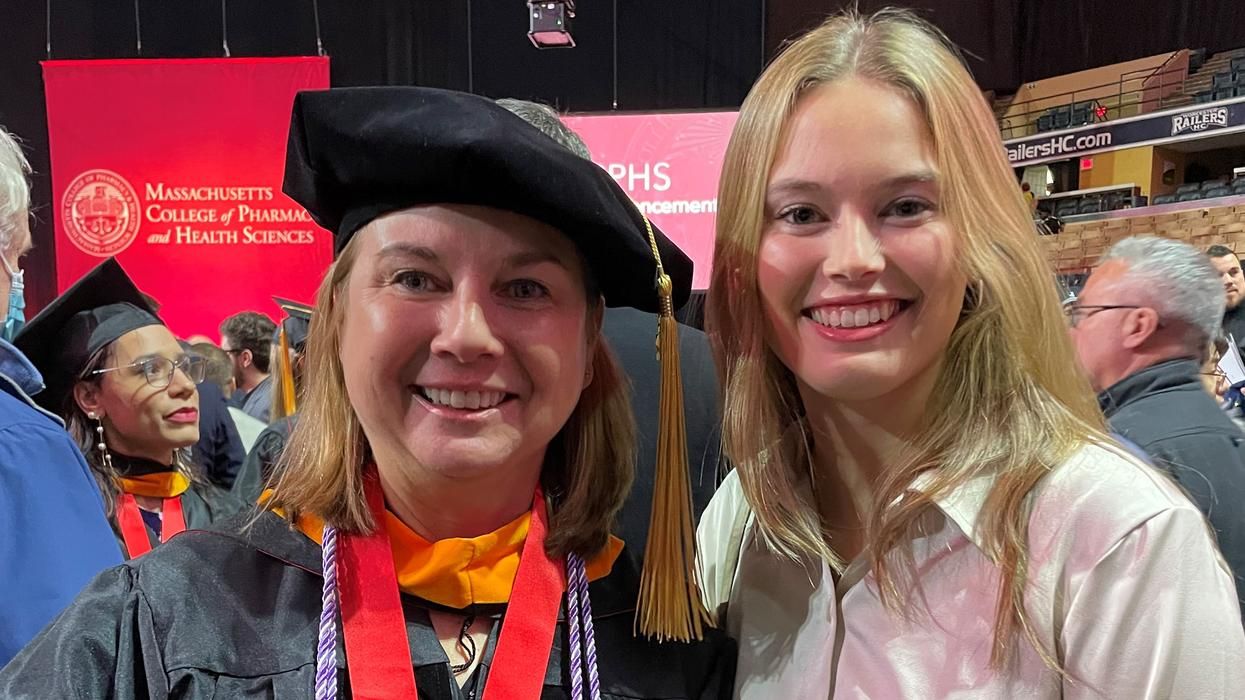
1127, 588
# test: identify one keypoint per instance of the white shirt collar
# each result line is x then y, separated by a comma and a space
962, 504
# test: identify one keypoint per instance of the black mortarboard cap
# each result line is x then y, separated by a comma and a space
296, 324
97, 310
358, 153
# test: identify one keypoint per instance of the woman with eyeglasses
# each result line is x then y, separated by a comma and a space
128, 395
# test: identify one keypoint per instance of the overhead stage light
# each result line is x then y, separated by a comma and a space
549, 24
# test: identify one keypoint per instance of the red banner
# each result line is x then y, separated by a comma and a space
669, 164
175, 167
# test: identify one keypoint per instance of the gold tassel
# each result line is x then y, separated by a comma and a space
288, 400
670, 605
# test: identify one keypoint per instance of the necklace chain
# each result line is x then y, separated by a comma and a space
467, 644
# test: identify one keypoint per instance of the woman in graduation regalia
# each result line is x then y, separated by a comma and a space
439, 524
128, 395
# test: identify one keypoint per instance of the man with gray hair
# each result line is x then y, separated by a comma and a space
55, 535
1141, 327
549, 122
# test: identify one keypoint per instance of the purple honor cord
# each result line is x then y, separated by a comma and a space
326, 649
583, 645
573, 632
579, 614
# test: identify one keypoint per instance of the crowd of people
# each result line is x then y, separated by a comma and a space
896, 464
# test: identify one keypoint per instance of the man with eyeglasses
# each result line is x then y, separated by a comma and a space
55, 535
1142, 326
247, 337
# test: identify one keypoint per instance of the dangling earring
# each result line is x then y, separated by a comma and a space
104, 454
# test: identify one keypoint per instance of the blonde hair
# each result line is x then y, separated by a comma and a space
588, 466
1010, 371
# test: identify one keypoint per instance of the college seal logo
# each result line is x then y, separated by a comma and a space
101, 213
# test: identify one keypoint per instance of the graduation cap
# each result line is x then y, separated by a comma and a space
355, 154
291, 335
62, 340
296, 324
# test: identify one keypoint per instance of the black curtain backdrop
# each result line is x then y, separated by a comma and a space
987, 31
670, 55
684, 54
1011, 42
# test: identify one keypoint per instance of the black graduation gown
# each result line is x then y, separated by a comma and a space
259, 462
232, 612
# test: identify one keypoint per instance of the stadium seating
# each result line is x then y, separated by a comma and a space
1066, 116
1098, 202
1226, 84
1083, 113
1078, 245
1209, 189
1197, 58
1090, 206
1114, 201
1209, 78
1067, 208
1063, 117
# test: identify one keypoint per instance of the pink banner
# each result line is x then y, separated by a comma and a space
669, 164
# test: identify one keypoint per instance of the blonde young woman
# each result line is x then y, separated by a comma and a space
924, 502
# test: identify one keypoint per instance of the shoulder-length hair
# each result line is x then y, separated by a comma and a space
588, 467
1010, 372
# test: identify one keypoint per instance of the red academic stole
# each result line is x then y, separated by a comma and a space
134, 530
166, 485
375, 630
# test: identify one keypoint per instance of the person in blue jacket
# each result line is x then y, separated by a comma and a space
51, 513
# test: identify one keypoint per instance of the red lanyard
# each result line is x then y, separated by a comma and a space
376, 645
134, 530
